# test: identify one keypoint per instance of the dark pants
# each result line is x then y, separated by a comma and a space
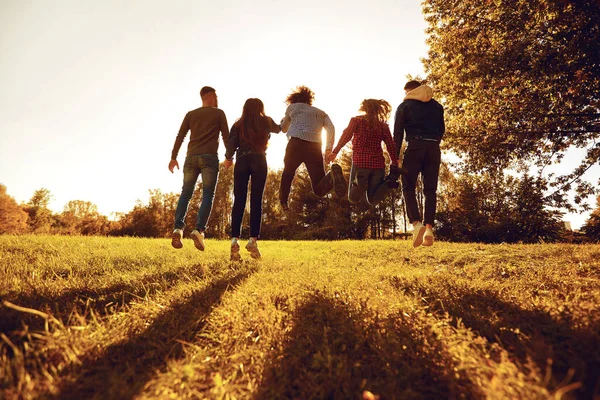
421, 157
369, 182
301, 151
249, 166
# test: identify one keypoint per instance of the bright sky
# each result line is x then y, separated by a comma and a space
93, 93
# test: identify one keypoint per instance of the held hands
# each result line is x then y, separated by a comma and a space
228, 163
329, 156
172, 165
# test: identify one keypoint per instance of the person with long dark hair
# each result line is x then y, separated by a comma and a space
367, 132
248, 138
304, 124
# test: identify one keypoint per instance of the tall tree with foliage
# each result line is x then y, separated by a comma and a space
520, 81
40, 216
82, 218
12, 217
591, 228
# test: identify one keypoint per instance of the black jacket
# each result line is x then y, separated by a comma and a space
420, 116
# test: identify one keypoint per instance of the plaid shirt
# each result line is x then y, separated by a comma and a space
307, 122
366, 143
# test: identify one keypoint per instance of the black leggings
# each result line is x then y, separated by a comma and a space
255, 166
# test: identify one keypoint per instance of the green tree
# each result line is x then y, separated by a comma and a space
12, 217
591, 228
152, 220
82, 218
520, 81
39, 215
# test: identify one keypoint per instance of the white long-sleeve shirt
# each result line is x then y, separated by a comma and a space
307, 122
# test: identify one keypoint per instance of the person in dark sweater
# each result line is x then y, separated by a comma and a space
367, 132
249, 138
422, 118
205, 123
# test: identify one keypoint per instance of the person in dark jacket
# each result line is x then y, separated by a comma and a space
248, 138
420, 119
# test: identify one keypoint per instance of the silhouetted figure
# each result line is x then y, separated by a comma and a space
205, 123
248, 140
367, 132
422, 118
303, 124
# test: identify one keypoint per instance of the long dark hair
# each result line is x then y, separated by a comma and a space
254, 125
376, 111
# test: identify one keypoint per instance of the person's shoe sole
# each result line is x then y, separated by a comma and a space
254, 252
198, 243
235, 253
339, 182
427, 240
419, 240
176, 241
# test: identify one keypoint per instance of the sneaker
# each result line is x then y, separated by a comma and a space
428, 237
339, 182
198, 238
252, 247
176, 239
235, 250
418, 232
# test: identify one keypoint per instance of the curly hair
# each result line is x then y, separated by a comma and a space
301, 94
376, 110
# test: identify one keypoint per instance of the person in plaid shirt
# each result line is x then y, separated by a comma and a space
303, 125
367, 174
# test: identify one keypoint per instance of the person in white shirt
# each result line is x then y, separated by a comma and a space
303, 124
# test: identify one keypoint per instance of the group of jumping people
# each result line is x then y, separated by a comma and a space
419, 119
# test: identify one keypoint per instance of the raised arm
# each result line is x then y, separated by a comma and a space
346, 136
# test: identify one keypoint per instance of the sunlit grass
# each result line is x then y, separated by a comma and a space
133, 318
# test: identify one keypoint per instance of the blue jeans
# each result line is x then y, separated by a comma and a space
367, 182
196, 164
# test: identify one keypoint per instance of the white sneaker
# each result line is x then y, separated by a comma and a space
252, 247
176, 239
235, 250
418, 232
198, 238
428, 237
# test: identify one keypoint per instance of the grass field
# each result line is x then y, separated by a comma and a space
113, 318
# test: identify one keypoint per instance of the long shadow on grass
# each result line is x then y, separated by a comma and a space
532, 334
82, 301
336, 351
125, 368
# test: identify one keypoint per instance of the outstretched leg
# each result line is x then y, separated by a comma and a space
378, 187
292, 160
